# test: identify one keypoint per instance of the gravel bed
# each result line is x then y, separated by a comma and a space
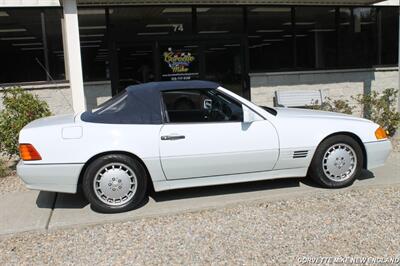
11, 184
357, 222
396, 143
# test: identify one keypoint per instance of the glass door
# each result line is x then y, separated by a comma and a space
224, 64
214, 60
179, 61
135, 65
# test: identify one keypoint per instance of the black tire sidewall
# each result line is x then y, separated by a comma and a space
316, 169
96, 165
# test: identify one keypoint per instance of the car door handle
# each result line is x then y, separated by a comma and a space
172, 137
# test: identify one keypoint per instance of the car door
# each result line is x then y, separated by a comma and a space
206, 136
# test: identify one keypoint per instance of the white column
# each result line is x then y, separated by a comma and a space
73, 54
398, 99
66, 65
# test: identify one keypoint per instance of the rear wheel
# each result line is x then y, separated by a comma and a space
337, 162
115, 183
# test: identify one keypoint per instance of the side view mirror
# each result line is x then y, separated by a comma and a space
248, 115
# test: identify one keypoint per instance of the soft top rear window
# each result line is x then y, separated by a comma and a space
112, 104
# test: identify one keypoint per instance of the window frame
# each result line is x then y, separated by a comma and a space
167, 121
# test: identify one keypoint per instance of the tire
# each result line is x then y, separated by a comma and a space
115, 183
337, 162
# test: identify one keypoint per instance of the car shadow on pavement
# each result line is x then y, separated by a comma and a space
237, 188
365, 174
46, 199
53, 200
61, 200
241, 188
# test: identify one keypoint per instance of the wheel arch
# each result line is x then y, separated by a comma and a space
134, 156
353, 136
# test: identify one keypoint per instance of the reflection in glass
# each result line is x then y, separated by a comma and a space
21, 46
315, 37
390, 35
135, 65
94, 48
357, 43
219, 20
54, 43
270, 44
134, 22
223, 64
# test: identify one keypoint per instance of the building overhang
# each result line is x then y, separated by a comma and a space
36, 3
227, 2
29, 3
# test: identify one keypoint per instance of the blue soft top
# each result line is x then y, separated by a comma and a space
141, 104
174, 85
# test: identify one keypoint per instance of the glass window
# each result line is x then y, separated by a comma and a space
94, 48
54, 38
315, 37
223, 64
219, 20
357, 37
21, 46
114, 105
135, 65
196, 106
390, 35
270, 42
179, 62
133, 22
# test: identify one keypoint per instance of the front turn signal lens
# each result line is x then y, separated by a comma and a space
28, 153
380, 133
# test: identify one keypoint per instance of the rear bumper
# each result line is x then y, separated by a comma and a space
50, 177
377, 153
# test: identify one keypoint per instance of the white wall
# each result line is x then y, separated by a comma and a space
59, 97
336, 84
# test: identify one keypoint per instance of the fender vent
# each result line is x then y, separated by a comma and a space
300, 154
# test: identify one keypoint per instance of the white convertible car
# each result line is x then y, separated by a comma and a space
187, 134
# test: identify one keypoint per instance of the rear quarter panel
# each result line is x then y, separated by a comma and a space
54, 148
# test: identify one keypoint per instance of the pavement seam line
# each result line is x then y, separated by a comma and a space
51, 213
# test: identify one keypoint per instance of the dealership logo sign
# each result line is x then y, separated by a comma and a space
178, 61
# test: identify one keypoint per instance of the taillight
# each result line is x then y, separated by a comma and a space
28, 153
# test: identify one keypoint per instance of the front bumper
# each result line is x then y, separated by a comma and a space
50, 177
377, 153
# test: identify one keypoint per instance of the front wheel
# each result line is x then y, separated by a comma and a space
114, 183
337, 162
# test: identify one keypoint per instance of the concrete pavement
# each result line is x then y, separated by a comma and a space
25, 211
20, 211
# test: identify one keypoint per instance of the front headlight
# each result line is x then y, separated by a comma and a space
380, 133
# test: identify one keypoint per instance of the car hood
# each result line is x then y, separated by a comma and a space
307, 113
52, 121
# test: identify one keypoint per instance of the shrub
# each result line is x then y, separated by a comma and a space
4, 171
20, 108
338, 106
381, 108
